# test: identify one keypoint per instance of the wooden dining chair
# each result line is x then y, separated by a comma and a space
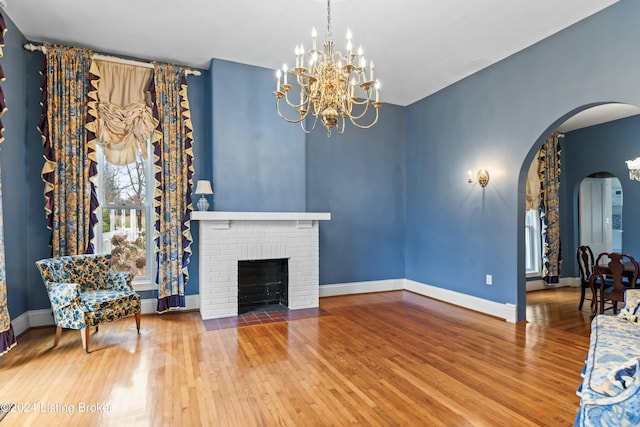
623, 271
585, 265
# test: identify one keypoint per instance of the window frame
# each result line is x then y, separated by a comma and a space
140, 283
533, 243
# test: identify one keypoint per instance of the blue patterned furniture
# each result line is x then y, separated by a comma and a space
85, 291
610, 390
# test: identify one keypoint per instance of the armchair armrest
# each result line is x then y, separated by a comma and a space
63, 294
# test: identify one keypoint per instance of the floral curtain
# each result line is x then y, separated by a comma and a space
70, 157
173, 163
3, 105
549, 172
7, 337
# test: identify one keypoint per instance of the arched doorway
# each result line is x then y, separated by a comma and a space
582, 121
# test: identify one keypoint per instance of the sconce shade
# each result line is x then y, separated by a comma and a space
634, 169
203, 187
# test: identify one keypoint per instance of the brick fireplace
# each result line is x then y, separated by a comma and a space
225, 238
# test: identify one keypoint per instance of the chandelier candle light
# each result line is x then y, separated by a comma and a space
333, 86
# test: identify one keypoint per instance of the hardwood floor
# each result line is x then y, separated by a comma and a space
558, 309
385, 359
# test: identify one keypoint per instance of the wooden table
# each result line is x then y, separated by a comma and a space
603, 269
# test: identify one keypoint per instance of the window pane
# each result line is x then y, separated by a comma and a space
124, 236
529, 252
124, 185
125, 229
532, 242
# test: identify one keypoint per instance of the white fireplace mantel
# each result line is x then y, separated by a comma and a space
225, 238
259, 216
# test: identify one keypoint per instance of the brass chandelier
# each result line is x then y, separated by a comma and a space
333, 86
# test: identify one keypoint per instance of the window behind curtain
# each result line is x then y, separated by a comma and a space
125, 227
533, 250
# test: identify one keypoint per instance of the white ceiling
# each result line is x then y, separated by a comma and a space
419, 46
597, 115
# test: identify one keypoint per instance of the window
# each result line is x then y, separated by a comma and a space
125, 222
533, 247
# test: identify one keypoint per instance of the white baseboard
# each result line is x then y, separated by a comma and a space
35, 318
361, 287
504, 311
20, 323
32, 319
40, 318
537, 285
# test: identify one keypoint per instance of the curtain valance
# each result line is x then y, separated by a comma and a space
121, 106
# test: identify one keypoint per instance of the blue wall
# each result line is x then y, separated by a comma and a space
600, 148
359, 178
14, 173
262, 163
258, 158
37, 233
199, 93
456, 234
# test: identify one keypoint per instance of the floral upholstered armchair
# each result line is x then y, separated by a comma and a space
85, 291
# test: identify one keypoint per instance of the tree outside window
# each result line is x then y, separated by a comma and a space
125, 215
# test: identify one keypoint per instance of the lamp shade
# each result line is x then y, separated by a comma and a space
203, 187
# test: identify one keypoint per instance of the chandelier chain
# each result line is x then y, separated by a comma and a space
329, 35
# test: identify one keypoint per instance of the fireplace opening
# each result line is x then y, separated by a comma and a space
263, 285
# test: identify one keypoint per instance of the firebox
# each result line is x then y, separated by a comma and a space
263, 285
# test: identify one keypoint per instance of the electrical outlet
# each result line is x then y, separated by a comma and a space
489, 279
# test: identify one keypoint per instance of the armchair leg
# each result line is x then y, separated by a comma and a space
138, 315
57, 338
84, 332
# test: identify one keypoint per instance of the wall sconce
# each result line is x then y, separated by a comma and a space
203, 187
482, 178
634, 169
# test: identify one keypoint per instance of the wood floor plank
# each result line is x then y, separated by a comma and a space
383, 359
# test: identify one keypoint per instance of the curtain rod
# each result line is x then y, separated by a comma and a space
32, 47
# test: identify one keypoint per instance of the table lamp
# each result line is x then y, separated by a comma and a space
203, 187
